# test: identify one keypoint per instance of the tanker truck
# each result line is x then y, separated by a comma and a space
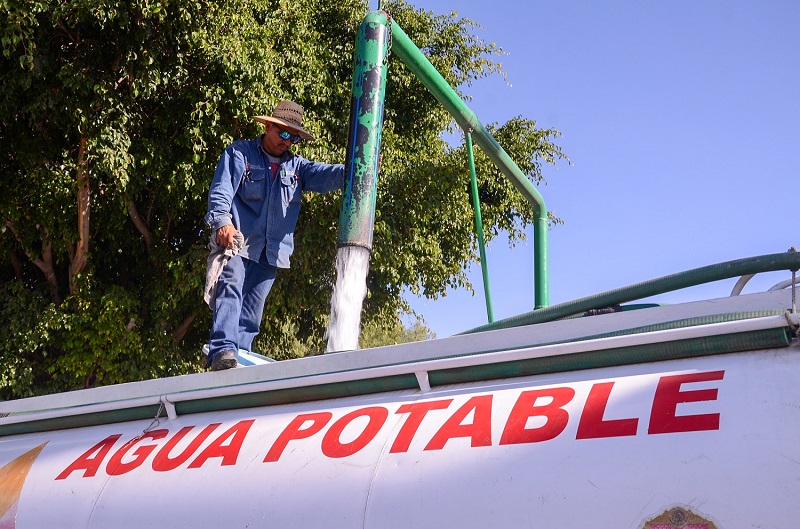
574, 415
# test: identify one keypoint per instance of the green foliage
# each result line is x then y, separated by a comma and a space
140, 97
375, 334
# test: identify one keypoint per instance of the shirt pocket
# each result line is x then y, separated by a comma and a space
253, 187
290, 191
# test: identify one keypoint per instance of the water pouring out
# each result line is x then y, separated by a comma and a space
352, 264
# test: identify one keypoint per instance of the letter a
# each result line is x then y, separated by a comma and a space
480, 431
228, 452
91, 460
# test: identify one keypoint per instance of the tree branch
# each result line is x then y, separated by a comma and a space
69, 35
80, 259
43, 263
140, 224
16, 264
180, 332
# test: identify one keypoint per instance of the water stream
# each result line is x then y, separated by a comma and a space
352, 263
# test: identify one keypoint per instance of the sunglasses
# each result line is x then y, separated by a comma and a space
286, 135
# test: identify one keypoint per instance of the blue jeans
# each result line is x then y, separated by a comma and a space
242, 289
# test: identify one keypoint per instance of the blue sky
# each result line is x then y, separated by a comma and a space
682, 121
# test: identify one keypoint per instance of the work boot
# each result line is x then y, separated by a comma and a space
223, 360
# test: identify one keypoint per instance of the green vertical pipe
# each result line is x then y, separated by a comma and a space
412, 57
364, 135
540, 284
476, 207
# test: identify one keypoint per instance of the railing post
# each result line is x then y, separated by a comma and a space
476, 207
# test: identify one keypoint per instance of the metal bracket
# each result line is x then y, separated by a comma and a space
423, 381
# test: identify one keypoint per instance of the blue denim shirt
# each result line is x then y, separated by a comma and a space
245, 193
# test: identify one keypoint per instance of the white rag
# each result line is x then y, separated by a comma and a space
218, 256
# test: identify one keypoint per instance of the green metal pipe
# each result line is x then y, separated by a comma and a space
476, 207
681, 280
541, 286
412, 57
364, 136
612, 357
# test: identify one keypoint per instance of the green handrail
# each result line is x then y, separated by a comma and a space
412, 57
698, 276
476, 207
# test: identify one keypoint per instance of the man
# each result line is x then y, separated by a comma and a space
256, 190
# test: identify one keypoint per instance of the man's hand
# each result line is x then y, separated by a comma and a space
225, 236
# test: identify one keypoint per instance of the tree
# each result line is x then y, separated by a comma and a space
113, 114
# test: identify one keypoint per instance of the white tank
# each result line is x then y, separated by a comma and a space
704, 442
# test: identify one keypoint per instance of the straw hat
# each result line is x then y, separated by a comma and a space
290, 115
